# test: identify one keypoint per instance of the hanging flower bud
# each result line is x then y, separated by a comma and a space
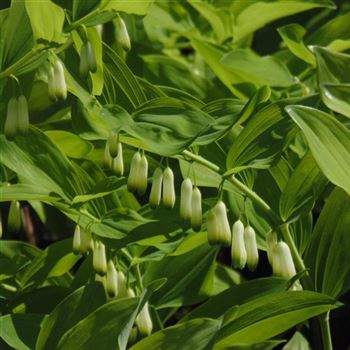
99, 260
10, 128
111, 280
133, 174
122, 34
60, 81
156, 190
196, 205
130, 293
144, 321
118, 162
77, 240
186, 199
238, 249
283, 265
112, 141
84, 63
218, 226
142, 175
251, 248
122, 286
168, 188
86, 242
22, 115
51, 85
91, 57
271, 240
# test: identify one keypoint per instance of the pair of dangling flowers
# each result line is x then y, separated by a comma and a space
113, 154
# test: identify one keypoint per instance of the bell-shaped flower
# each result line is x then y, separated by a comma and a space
118, 161
111, 280
133, 174
251, 248
91, 57
142, 176
112, 141
77, 240
196, 205
282, 261
10, 128
238, 250
122, 285
122, 34
218, 227
156, 190
168, 188
186, 200
86, 242
271, 240
144, 321
60, 81
99, 260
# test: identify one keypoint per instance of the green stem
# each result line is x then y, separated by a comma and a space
326, 331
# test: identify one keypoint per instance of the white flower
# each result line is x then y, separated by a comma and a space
251, 248
282, 261
186, 199
99, 260
238, 250
144, 321
218, 227
196, 204
133, 174
111, 280
156, 190
118, 161
168, 188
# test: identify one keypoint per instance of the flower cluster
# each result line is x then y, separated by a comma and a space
56, 82
113, 155
87, 59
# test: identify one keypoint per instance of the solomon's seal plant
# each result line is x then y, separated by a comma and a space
174, 174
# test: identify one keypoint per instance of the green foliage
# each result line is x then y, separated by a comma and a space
257, 117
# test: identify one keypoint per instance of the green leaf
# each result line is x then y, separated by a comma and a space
328, 254
292, 35
270, 315
135, 7
25, 192
195, 334
68, 313
302, 188
329, 141
218, 304
46, 19
55, 260
189, 277
249, 67
332, 71
166, 126
17, 38
107, 322
70, 144
264, 12
20, 330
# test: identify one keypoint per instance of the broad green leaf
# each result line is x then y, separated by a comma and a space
136, 7
25, 192
259, 13
189, 277
17, 38
261, 140
70, 144
217, 305
270, 315
186, 336
332, 71
292, 35
20, 330
107, 322
220, 19
82, 8
302, 188
68, 313
166, 126
169, 71
260, 71
212, 56
328, 254
36, 159
124, 78
55, 260
329, 141
46, 19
